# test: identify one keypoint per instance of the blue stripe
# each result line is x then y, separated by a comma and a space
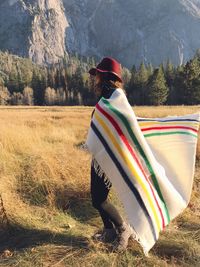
166, 120
125, 177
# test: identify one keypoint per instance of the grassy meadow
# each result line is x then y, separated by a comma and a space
46, 216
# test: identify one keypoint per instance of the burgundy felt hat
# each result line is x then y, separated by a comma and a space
109, 65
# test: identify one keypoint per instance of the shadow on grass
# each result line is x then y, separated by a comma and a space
74, 201
82, 210
189, 226
77, 204
21, 238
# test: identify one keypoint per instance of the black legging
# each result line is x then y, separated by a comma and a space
99, 193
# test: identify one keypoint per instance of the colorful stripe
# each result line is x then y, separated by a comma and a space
167, 120
157, 128
140, 150
150, 123
169, 133
129, 165
125, 141
125, 177
169, 127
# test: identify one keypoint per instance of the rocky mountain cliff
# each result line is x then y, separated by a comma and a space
131, 31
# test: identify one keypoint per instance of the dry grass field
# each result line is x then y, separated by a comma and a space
45, 183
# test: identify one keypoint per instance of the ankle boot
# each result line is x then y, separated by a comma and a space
107, 235
124, 233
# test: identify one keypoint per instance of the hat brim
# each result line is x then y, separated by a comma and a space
93, 72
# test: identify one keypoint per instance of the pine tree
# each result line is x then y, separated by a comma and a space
178, 86
131, 93
126, 77
142, 80
76, 85
157, 87
38, 85
191, 84
170, 77
13, 80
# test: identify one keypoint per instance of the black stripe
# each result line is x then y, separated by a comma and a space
125, 177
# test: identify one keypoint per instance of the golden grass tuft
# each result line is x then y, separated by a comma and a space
45, 191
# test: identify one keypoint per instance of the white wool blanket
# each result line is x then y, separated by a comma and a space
149, 161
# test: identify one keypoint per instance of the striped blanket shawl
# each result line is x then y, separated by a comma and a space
150, 162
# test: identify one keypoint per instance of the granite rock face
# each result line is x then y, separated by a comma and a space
33, 28
131, 31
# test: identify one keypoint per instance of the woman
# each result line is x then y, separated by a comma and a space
140, 161
107, 78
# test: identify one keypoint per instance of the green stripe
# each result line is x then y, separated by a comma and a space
169, 133
133, 137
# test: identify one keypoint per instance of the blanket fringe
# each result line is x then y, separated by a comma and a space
101, 174
137, 239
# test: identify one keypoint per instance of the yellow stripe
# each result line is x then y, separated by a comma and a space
130, 166
144, 124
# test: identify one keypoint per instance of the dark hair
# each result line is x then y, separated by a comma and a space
109, 80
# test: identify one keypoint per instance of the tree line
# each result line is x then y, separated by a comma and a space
67, 83
24, 83
165, 85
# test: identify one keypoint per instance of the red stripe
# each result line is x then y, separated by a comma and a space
119, 131
168, 127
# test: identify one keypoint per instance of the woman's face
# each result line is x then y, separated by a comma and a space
97, 83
